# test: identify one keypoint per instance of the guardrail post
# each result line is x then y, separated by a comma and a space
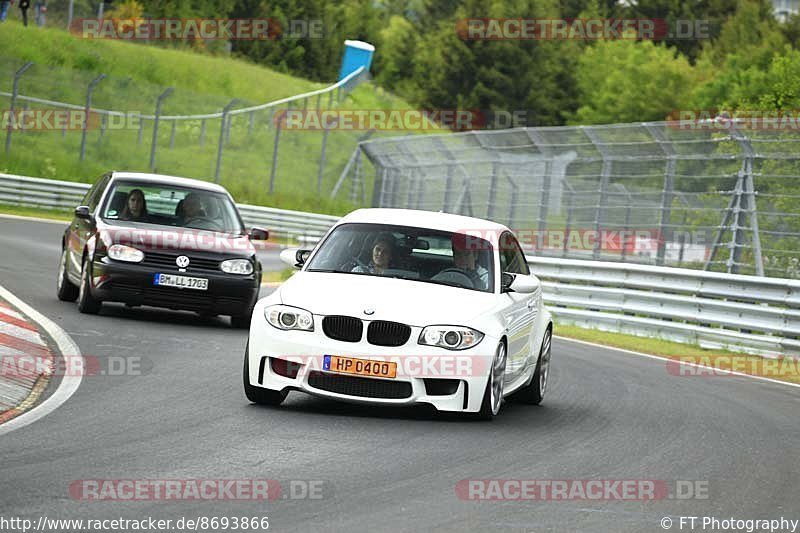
87, 110
14, 91
202, 132
605, 174
274, 169
155, 126
222, 131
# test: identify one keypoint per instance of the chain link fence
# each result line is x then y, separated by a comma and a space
714, 195
69, 124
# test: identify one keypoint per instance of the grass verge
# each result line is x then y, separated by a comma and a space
785, 369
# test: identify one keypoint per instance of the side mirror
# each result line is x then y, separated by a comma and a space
82, 211
295, 258
259, 234
519, 283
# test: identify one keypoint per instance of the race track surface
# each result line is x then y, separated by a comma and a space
608, 416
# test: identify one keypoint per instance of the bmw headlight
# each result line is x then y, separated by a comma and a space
237, 266
120, 252
289, 318
450, 337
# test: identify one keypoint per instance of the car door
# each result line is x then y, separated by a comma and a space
81, 229
520, 313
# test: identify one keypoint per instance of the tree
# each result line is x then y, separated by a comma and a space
628, 81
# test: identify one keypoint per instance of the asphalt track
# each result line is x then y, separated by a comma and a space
608, 415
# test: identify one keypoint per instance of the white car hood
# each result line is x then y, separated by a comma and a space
410, 302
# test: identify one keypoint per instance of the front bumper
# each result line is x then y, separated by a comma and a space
421, 370
132, 284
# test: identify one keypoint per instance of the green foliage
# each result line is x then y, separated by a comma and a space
628, 81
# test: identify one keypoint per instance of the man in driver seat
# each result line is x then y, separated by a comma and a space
466, 260
190, 208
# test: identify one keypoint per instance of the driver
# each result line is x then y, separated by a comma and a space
382, 253
466, 260
192, 207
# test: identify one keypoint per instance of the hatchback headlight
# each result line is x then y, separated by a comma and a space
289, 318
237, 266
450, 337
120, 252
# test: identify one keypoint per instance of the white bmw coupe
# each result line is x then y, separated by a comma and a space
400, 307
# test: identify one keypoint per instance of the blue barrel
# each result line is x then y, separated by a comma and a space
356, 54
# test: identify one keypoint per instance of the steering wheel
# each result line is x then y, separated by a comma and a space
352, 264
210, 221
454, 275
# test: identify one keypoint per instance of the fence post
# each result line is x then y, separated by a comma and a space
17, 75
141, 131
155, 126
322, 154
250, 123
222, 132
667, 194
544, 197
202, 132
88, 108
605, 174
278, 128
568, 223
172, 135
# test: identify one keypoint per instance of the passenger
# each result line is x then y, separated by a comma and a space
382, 254
135, 207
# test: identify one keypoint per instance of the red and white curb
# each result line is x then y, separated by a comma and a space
21, 329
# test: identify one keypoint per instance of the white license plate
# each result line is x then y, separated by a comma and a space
181, 282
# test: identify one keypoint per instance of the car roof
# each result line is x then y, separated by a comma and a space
422, 219
168, 180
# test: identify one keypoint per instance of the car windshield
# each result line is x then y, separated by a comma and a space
418, 254
169, 205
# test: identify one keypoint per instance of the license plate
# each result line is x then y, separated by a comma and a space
181, 282
359, 367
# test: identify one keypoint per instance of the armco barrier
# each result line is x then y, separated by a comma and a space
37, 192
716, 310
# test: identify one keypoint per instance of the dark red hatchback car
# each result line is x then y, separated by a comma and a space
161, 241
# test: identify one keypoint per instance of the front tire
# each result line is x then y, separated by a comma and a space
66, 291
86, 302
257, 394
493, 395
533, 393
241, 321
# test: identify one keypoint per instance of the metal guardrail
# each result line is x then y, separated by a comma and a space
37, 192
716, 310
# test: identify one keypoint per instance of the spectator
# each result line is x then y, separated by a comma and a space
39, 9
4, 9
23, 6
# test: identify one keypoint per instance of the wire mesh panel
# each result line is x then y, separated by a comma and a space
717, 195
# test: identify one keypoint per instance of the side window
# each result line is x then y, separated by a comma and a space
511, 257
95, 193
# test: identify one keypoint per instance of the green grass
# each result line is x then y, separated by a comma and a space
203, 84
52, 214
722, 359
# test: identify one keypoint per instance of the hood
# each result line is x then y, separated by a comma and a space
410, 302
150, 237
